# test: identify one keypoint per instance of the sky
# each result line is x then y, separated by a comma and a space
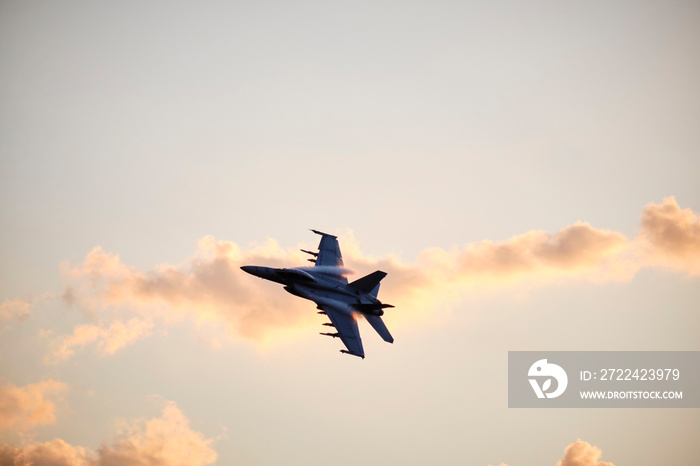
526, 173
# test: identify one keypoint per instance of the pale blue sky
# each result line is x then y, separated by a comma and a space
142, 128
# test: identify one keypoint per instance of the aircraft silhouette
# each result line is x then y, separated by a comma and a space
326, 285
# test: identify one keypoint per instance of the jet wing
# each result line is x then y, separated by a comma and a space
346, 325
329, 256
328, 251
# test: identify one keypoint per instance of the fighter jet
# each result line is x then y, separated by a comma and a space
326, 285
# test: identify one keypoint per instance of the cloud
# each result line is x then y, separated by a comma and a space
582, 453
209, 288
167, 440
578, 250
16, 310
54, 453
109, 339
673, 233
23, 408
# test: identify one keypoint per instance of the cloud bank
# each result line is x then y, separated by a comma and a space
167, 440
210, 288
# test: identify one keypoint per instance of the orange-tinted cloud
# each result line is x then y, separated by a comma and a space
210, 287
167, 440
582, 453
15, 310
578, 250
23, 408
54, 453
109, 339
673, 233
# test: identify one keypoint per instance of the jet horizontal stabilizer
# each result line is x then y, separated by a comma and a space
334, 335
315, 254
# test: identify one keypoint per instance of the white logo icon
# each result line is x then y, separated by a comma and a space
542, 369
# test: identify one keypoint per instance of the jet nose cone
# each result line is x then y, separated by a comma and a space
261, 272
249, 269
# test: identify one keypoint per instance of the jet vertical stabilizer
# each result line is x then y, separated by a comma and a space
369, 282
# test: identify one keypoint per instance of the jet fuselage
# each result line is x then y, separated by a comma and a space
318, 286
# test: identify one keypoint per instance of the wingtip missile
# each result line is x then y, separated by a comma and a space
353, 354
322, 233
